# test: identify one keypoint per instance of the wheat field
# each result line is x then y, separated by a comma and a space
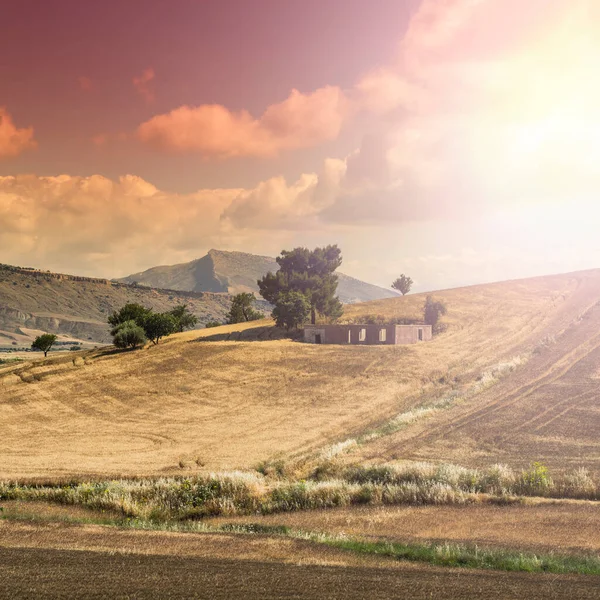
513, 353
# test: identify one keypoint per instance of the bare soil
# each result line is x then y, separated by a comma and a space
61, 561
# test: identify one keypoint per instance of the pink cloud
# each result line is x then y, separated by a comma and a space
142, 85
212, 130
436, 25
13, 141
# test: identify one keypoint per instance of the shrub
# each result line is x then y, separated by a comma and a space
432, 311
535, 480
210, 324
128, 335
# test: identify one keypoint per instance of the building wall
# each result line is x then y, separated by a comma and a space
366, 334
409, 334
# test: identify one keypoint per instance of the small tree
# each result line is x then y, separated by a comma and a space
128, 335
242, 309
158, 325
44, 342
184, 319
403, 284
130, 312
432, 311
291, 310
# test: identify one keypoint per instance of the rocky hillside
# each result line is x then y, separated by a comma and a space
235, 272
79, 306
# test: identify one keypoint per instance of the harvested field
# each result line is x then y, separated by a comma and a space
95, 562
527, 348
562, 527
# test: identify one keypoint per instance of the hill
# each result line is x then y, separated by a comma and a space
511, 380
236, 272
79, 306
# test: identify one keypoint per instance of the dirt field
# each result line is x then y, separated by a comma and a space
189, 405
63, 561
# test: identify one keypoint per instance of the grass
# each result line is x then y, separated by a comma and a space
239, 493
472, 557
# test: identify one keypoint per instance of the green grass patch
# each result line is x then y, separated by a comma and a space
472, 557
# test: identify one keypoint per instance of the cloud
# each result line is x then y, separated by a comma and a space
142, 84
212, 130
273, 204
435, 26
94, 224
14, 141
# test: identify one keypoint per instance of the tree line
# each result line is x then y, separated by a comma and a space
303, 289
134, 324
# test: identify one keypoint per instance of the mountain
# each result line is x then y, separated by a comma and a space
32, 300
236, 272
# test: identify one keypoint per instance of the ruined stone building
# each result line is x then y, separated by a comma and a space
367, 334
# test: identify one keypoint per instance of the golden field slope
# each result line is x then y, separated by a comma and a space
519, 358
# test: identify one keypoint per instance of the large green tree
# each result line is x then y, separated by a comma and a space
242, 309
308, 272
292, 310
129, 312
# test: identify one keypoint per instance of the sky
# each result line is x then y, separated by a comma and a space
457, 141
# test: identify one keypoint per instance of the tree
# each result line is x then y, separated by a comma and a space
184, 319
44, 342
292, 310
432, 311
403, 284
158, 325
128, 335
241, 309
129, 312
310, 273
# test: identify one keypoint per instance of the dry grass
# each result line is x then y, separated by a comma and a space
189, 406
562, 527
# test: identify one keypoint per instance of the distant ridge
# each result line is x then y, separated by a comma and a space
79, 306
235, 272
